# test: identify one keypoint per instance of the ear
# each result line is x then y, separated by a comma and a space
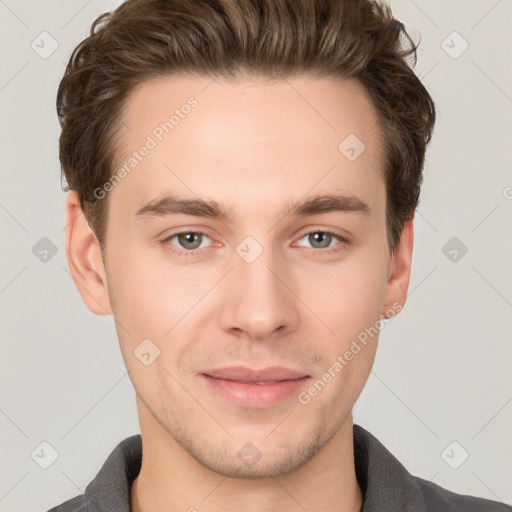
399, 271
84, 259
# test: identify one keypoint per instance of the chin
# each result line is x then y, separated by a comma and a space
251, 463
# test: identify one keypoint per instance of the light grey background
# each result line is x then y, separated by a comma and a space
442, 371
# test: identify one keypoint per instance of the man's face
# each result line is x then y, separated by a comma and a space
263, 288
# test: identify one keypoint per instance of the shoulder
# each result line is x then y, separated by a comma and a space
77, 504
438, 498
110, 489
388, 486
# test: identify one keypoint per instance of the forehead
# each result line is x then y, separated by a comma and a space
248, 140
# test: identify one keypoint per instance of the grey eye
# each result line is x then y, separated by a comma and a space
190, 240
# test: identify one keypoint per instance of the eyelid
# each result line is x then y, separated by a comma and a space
179, 251
342, 240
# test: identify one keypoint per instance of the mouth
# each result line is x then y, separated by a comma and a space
255, 389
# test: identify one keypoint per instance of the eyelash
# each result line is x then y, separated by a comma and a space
193, 252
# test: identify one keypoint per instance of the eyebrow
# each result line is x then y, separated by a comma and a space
174, 205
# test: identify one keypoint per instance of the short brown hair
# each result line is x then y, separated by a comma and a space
144, 39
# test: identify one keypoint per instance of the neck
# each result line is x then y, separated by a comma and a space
171, 479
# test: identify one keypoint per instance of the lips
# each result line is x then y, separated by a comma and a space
254, 389
248, 375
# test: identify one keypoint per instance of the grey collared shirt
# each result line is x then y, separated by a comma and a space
386, 485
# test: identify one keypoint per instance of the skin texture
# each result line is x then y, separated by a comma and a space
253, 147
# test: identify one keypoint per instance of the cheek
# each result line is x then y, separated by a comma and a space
157, 300
347, 297
351, 309
150, 295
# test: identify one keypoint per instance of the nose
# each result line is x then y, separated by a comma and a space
258, 298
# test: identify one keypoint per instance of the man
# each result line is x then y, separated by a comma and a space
243, 178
